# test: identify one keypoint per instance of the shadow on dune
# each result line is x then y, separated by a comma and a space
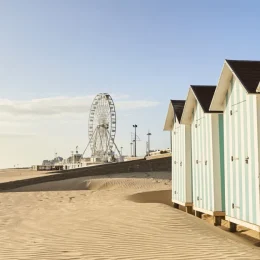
161, 196
84, 183
141, 168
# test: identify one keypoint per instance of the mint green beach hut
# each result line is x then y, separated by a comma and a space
181, 156
237, 95
207, 145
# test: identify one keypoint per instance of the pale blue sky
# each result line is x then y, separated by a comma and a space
145, 50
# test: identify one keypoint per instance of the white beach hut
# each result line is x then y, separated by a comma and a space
237, 95
207, 152
181, 156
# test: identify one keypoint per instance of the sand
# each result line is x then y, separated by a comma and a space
127, 216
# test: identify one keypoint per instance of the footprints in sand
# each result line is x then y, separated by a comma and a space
71, 198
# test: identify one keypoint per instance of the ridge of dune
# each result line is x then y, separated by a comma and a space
127, 216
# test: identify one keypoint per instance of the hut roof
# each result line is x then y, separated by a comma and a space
204, 95
178, 106
198, 93
248, 73
175, 109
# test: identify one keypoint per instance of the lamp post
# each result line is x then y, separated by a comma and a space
121, 150
148, 144
135, 126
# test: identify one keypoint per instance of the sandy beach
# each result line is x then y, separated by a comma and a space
126, 216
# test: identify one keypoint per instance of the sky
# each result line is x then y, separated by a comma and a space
56, 55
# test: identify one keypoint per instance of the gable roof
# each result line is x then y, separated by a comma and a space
248, 73
175, 109
204, 96
178, 106
198, 93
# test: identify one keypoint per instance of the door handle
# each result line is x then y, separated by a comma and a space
234, 158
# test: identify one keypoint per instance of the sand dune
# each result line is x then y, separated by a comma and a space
109, 217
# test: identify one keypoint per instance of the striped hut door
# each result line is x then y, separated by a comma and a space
196, 184
239, 158
175, 158
199, 154
200, 122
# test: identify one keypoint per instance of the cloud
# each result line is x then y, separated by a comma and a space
4, 135
56, 106
137, 104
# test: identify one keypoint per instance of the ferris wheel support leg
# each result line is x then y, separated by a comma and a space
88, 144
116, 146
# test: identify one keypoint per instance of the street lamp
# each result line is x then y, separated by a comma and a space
135, 126
121, 150
148, 144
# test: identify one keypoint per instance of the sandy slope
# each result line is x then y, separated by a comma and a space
109, 217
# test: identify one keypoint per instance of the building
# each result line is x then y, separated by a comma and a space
207, 152
237, 95
181, 156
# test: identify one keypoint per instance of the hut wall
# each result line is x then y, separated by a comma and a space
181, 164
241, 132
207, 172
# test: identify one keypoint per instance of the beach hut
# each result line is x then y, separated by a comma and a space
237, 95
207, 152
181, 156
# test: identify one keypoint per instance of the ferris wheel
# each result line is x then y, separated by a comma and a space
102, 126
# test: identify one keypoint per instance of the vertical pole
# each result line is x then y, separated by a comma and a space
135, 140
135, 126
131, 149
148, 144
